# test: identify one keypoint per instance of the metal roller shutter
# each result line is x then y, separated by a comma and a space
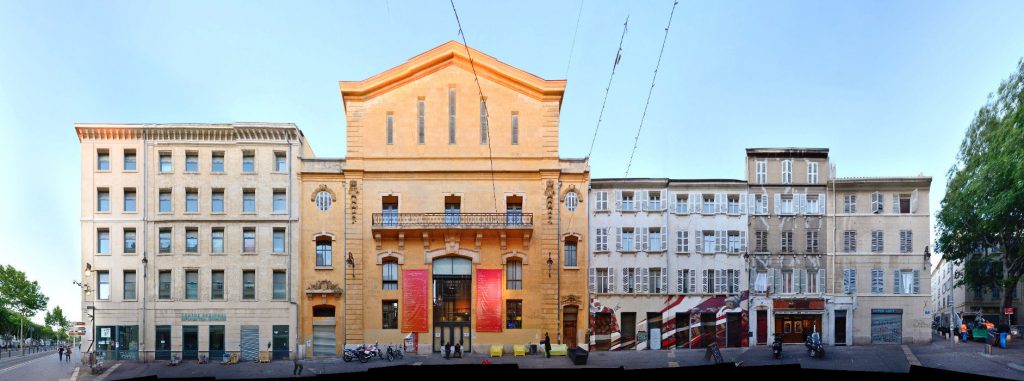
323, 340
250, 345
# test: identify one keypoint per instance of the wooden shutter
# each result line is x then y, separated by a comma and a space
846, 281
775, 280
636, 280
821, 203
611, 280
664, 200
917, 282
695, 203
821, 281
853, 281
640, 200
618, 239
643, 236
743, 241
735, 281
618, 200
743, 205
644, 280
704, 281
664, 238
679, 281
778, 201
698, 242
913, 201
625, 280
693, 281
718, 203
896, 281
671, 202
590, 275
895, 203
750, 203
664, 280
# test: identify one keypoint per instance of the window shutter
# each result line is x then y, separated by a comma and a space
693, 282
704, 282
821, 281
718, 203
917, 282
636, 280
774, 281
846, 281
736, 281
913, 201
644, 280
642, 237
611, 280
895, 203
798, 203
743, 241
798, 280
664, 238
671, 202
640, 200
590, 275
664, 280
625, 280
750, 203
853, 281
695, 203
618, 200
664, 200
778, 200
821, 203
679, 281
699, 244
896, 282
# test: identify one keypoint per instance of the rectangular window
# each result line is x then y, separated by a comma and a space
249, 285
627, 240
877, 241
515, 128
165, 240
688, 281
761, 281
761, 170
514, 275
191, 240
165, 284
654, 201
654, 280
812, 241
249, 240
760, 204
812, 172
191, 284
103, 241
483, 121
786, 206
787, 281
389, 128
129, 240
104, 285
850, 204
709, 242
389, 209
734, 204
877, 202
103, 200
601, 239
217, 285
602, 281
761, 241
787, 171
389, 275
811, 204
514, 314
280, 283
452, 211
129, 199
877, 281
166, 165
514, 210
103, 160
906, 241
733, 243
709, 204
627, 202
217, 240
129, 285
191, 162
787, 241
280, 162
601, 201
420, 121
389, 314
682, 241
249, 201
280, 203
850, 281
165, 201
323, 251
217, 201
129, 160
451, 115
710, 281
682, 203
812, 281
628, 280
905, 203
191, 200
570, 253
217, 162
248, 161
849, 241
278, 240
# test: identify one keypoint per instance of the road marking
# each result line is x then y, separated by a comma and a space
673, 364
671, 354
74, 375
744, 350
19, 365
103, 376
910, 356
418, 363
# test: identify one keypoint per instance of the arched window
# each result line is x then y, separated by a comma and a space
323, 250
323, 310
389, 274
514, 274
323, 201
571, 201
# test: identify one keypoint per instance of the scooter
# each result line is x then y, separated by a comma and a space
814, 347
395, 352
777, 346
358, 353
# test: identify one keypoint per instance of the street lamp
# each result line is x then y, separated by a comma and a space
92, 317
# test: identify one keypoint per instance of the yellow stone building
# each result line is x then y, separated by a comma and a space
461, 223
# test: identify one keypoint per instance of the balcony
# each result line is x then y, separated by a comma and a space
467, 221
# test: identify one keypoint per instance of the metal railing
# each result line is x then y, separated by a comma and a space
453, 220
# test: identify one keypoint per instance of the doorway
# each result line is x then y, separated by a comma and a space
732, 329
653, 330
452, 297
796, 327
840, 327
627, 339
569, 325
189, 342
762, 327
280, 341
602, 331
707, 328
682, 329
163, 342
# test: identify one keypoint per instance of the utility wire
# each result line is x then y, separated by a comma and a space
636, 139
573, 46
487, 117
618, 57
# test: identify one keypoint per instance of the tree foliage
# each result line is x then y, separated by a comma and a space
981, 221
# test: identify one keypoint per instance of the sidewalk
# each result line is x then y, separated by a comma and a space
970, 357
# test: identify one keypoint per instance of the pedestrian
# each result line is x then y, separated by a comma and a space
68, 354
547, 344
297, 370
60, 354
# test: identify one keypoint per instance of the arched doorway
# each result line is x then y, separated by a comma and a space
452, 300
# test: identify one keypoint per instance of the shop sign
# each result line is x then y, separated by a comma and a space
105, 333
887, 310
1008, 311
203, 316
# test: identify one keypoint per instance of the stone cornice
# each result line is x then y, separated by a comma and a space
183, 132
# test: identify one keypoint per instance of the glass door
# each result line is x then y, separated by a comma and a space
189, 342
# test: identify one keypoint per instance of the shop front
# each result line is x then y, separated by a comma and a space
118, 342
798, 318
886, 326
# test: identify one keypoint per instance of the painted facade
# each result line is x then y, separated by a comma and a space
667, 266
322, 263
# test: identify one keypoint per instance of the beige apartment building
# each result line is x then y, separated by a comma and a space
190, 238
880, 236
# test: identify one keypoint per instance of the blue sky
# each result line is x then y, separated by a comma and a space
888, 86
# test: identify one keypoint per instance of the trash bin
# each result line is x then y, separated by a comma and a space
578, 356
533, 349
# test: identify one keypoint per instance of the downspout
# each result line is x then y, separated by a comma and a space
558, 246
288, 244
344, 266
145, 240
589, 257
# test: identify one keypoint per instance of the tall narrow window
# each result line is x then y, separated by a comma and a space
451, 115
103, 160
514, 275
249, 201
280, 162
626, 243
906, 241
850, 203
280, 201
787, 171
323, 251
103, 241
877, 202
129, 160
103, 200
279, 240
761, 171
389, 314
452, 210
192, 162
165, 201
877, 241
191, 201
514, 210
248, 162
129, 199
849, 241
165, 240
654, 280
483, 121
249, 240
420, 121
249, 284
191, 284
761, 241
191, 240
217, 285
570, 251
389, 275
515, 128
514, 314
217, 162
601, 239
812, 172
601, 200
104, 285
129, 284
389, 131
280, 285
166, 166
787, 241
217, 201
165, 284
217, 240
129, 240
389, 209
812, 241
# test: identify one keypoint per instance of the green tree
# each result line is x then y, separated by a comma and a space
21, 296
981, 222
55, 318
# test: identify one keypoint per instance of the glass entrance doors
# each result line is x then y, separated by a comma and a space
452, 300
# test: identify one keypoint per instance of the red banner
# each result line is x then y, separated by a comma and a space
415, 303
488, 300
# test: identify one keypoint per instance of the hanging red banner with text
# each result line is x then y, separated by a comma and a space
488, 300
414, 299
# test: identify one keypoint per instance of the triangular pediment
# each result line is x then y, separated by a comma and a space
448, 54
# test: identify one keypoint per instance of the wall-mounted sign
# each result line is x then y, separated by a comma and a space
203, 316
887, 310
105, 333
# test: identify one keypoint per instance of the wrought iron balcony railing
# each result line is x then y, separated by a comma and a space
453, 220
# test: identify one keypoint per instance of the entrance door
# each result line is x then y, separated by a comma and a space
250, 343
762, 327
323, 340
189, 342
452, 301
795, 328
682, 330
732, 329
707, 329
602, 331
627, 338
280, 339
653, 330
840, 327
216, 342
163, 342
569, 325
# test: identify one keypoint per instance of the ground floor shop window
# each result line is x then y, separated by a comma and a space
514, 314
886, 326
628, 339
389, 312
163, 342
216, 342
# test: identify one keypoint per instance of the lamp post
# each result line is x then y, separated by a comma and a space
92, 317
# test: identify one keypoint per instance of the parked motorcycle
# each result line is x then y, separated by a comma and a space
395, 352
357, 353
777, 346
814, 347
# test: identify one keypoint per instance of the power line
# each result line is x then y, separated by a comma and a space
636, 139
618, 57
487, 115
573, 46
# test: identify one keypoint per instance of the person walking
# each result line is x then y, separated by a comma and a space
547, 344
297, 370
60, 354
67, 353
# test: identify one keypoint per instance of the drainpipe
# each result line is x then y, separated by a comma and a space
145, 240
288, 244
558, 246
344, 265
589, 265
